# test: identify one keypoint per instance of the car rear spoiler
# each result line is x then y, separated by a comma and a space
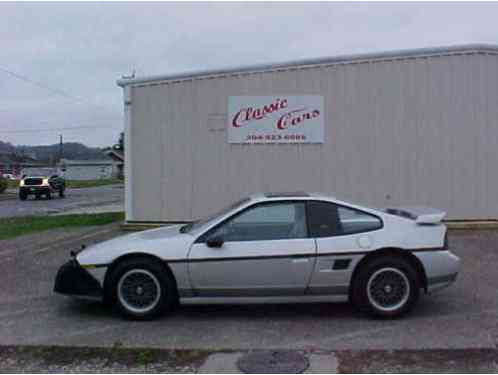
421, 215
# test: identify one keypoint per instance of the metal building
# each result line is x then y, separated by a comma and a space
395, 128
87, 169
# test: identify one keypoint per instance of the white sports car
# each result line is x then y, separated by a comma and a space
287, 247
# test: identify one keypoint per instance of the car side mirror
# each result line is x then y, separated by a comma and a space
216, 241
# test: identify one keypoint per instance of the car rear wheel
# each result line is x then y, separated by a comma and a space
23, 195
386, 287
142, 289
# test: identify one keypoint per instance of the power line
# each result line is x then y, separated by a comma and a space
56, 129
57, 92
41, 85
51, 89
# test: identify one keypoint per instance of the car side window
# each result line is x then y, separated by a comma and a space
267, 221
323, 219
354, 221
327, 219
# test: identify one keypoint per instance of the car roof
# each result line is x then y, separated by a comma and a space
280, 196
286, 194
290, 195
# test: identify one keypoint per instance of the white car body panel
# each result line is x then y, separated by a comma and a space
165, 243
279, 269
252, 273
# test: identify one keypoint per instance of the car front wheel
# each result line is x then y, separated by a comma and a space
386, 287
142, 289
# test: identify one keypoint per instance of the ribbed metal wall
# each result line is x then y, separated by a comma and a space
401, 131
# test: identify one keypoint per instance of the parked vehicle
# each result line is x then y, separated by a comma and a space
41, 185
10, 176
295, 247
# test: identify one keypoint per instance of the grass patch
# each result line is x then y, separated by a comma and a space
66, 355
76, 184
18, 226
12, 184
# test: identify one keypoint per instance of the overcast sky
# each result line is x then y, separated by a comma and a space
75, 52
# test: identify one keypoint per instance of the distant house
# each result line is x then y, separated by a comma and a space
87, 169
13, 163
117, 157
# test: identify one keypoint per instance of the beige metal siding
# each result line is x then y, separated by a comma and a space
414, 131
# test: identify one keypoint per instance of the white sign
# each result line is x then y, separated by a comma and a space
275, 119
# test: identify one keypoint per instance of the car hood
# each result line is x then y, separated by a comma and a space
166, 243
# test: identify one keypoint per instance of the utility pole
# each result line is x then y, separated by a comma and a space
60, 147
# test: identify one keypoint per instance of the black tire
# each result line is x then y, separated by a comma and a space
61, 193
48, 195
23, 195
37, 196
124, 273
386, 287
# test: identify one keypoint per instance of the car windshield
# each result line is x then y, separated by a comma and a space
191, 227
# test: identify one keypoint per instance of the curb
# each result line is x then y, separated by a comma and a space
56, 358
136, 226
471, 224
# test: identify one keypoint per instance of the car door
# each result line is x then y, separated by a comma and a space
343, 236
54, 182
265, 251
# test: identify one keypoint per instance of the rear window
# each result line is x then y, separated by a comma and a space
355, 221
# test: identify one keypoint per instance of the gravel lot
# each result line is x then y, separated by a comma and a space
462, 316
76, 200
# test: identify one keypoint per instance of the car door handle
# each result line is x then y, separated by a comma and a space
299, 260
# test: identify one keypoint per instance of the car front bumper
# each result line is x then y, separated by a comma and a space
74, 280
36, 189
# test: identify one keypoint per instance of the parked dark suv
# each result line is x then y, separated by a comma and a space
41, 185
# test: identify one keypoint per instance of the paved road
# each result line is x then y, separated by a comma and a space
462, 316
75, 200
